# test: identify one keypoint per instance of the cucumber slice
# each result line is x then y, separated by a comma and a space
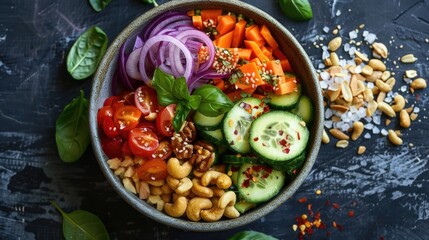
243, 206
237, 122
304, 109
234, 159
204, 123
259, 183
232, 172
286, 101
278, 137
215, 136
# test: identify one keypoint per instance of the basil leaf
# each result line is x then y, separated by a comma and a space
155, 4
72, 130
194, 101
251, 235
99, 5
164, 86
182, 113
86, 53
213, 101
298, 10
181, 89
81, 224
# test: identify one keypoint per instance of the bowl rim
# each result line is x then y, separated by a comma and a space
103, 70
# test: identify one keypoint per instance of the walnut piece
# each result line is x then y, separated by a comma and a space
203, 156
182, 141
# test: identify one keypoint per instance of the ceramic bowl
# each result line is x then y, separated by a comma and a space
299, 60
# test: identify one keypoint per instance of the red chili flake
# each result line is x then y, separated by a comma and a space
302, 200
281, 132
235, 132
336, 205
283, 142
246, 183
257, 168
298, 135
231, 143
267, 169
286, 150
266, 109
351, 213
256, 107
256, 139
265, 175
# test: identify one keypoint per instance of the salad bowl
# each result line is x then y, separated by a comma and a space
102, 89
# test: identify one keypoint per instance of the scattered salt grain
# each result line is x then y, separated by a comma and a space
321, 66
384, 132
403, 88
346, 47
370, 38
375, 130
367, 136
365, 33
353, 34
338, 13
388, 99
416, 109
326, 29
369, 126
376, 120
324, 75
328, 113
328, 124
370, 85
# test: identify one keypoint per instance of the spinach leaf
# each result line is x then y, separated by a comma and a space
164, 86
251, 235
82, 225
182, 113
86, 53
298, 10
72, 130
181, 89
213, 101
194, 101
99, 5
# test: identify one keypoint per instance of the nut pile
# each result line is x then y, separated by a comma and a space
360, 90
193, 188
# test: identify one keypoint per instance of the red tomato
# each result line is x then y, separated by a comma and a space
145, 99
109, 128
109, 101
112, 147
106, 111
126, 150
164, 120
127, 117
128, 96
143, 142
163, 151
154, 169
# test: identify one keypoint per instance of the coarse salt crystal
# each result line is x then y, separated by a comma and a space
403, 88
353, 34
407, 80
323, 85
388, 99
338, 13
369, 126
365, 33
326, 29
358, 69
352, 51
346, 47
367, 136
328, 113
376, 120
370, 85
416, 109
370, 38
324, 75
321, 66
328, 124
345, 127
375, 130
384, 132
325, 54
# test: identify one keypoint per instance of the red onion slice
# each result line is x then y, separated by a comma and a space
131, 66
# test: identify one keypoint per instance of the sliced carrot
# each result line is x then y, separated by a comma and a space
197, 21
219, 83
211, 14
253, 33
256, 50
238, 38
244, 53
286, 65
260, 96
224, 41
225, 24
251, 77
257, 61
267, 51
278, 54
266, 34
285, 87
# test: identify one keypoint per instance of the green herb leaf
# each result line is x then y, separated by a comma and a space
99, 5
155, 4
298, 10
251, 235
82, 225
72, 131
213, 101
182, 113
181, 89
86, 53
194, 101
164, 86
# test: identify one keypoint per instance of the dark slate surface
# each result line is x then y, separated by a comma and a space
387, 187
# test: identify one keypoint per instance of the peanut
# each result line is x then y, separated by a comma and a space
338, 134
408, 58
325, 137
398, 103
334, 44
361, 150
377, 65
357, 130
342, 144
384, 87
394, 138
386, 109
418, 83
380, 49
404, 119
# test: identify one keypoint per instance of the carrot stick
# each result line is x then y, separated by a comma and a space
266, 34
224, 41
225, 24
252, 33
238, 37
211, 14
197, 21
256, 50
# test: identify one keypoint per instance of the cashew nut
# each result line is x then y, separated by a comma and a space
398, 103
157, 191
228, 199
231, 212
178, 208
221, 180
213, 214
217, 192
200, 190
156, 183
195, 205
185, 185
177, 170
172, 182
404, 119
166, 189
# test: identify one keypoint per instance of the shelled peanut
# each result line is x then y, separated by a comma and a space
361, 86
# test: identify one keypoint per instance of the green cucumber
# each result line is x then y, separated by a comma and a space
278, 137
243, 206
204, 123
232, 172
234, 159
237, 121
304, 109
259, 183
286, 101
215, 136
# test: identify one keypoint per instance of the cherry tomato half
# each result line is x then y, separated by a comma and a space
154, 169
109, 128
145, 99
163, 151
106, 111
143, 142
109, 101
128, 96
164, 120
112, 147
127, 117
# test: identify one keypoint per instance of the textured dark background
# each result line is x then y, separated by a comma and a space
387, 187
